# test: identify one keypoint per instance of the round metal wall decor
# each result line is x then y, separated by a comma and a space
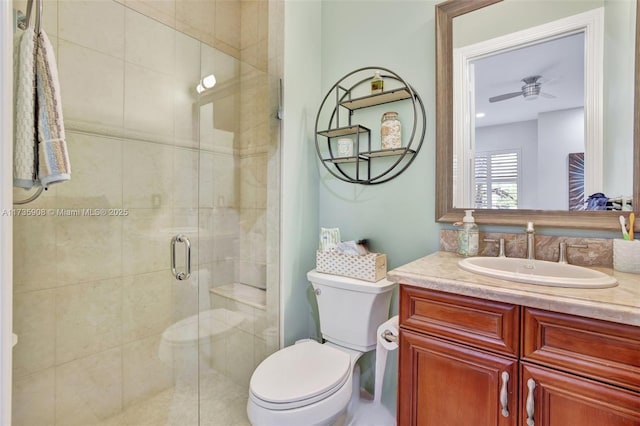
352, 141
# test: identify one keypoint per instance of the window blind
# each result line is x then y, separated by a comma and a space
497, 176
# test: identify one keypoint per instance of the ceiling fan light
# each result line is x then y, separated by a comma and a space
531, 91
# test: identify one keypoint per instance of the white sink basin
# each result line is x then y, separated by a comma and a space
538, 272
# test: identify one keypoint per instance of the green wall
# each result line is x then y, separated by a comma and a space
398, 217
299, 221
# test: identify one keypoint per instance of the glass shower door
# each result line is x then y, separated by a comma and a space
107, 335
238, 216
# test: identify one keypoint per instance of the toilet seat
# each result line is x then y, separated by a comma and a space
299, 375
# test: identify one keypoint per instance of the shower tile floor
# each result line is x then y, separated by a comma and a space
222, 403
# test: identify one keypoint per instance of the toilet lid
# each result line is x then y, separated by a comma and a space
300, 372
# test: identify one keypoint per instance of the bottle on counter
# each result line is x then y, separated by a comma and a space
377, 84
468, 236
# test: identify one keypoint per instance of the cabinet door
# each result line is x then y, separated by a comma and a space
561, 399
445, 384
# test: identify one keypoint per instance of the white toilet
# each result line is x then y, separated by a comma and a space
311, 383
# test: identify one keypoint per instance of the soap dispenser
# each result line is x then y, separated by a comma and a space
468, 235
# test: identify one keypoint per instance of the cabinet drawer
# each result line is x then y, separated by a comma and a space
481, 323
602, 350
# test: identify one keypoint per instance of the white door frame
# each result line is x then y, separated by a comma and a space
6, 200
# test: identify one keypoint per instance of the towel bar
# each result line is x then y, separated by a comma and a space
23, 20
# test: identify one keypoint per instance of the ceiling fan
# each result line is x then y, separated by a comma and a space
530, 90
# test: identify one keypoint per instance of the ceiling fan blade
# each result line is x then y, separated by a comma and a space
553, 80
547, 95
505, 96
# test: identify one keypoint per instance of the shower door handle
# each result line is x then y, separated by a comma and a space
181, 276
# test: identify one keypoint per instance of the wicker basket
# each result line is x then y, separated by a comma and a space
369, 267
626, 256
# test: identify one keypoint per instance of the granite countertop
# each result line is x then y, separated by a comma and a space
440, 271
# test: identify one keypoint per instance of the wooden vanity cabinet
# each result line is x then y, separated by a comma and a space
563, 370
454, 353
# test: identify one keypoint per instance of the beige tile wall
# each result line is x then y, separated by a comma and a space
93, 294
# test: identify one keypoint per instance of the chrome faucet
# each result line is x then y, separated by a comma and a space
531, 241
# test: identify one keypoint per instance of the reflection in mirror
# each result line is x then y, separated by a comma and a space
523, 124
523, 98
605, 118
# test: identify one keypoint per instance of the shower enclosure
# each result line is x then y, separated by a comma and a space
107, 334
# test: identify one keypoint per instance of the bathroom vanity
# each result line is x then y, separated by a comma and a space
482, 351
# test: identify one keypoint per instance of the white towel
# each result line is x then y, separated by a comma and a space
24, 171
53, 159
40, 150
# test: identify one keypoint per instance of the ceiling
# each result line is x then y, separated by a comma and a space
560, 62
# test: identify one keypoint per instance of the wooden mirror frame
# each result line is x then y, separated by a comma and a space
445, 212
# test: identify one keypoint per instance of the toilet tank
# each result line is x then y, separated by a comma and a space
351, 310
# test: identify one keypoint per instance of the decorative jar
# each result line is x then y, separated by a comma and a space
390, 132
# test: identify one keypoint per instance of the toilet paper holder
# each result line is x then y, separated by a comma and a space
389, 336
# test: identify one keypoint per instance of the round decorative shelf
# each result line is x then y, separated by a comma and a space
368, 164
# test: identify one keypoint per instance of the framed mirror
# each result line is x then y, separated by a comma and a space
450, 203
